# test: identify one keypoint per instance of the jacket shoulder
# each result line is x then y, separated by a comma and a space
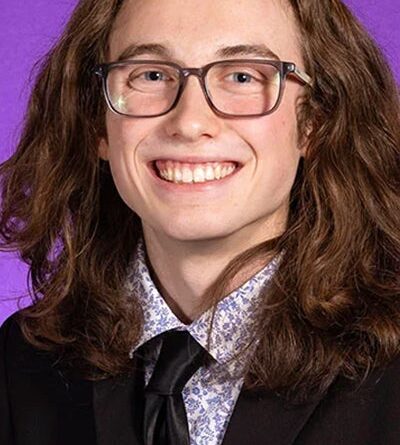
11, 337
9, 332
360, 412
9, 322
39, 404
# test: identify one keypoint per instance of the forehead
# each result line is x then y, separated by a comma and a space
194, 31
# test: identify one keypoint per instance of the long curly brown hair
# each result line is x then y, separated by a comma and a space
332, 308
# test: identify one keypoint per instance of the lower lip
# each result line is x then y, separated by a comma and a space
194, 187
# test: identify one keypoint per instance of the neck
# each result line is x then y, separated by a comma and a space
184, 270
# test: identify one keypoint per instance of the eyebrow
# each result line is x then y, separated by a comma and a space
134, 50
259, 50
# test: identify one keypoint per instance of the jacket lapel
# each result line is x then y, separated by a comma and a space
263, 418
118, 408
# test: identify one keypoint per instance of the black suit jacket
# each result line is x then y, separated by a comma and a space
39, 405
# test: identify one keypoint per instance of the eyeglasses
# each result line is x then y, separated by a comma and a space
232, 88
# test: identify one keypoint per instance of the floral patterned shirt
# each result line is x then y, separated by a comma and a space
211, 394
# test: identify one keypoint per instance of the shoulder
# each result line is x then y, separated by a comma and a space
361, 412
379, 390
9, 330
12, 342
385, 383
16, 352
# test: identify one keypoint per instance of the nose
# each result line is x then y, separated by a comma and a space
192, 118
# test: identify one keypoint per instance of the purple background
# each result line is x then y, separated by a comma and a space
29, 27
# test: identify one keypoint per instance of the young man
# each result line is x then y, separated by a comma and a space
228, 218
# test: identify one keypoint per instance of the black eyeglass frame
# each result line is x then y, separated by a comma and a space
284, 68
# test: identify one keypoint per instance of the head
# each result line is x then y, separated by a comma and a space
319, 177
265, 149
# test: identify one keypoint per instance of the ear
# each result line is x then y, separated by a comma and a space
103, 149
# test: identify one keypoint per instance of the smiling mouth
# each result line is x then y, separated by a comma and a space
193, 173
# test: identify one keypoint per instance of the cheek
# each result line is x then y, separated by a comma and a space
123, 139
126, 144
276, 155
124, 133
272, 138
121, 144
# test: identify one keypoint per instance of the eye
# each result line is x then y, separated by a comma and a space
149, 77
154, 75
242, 77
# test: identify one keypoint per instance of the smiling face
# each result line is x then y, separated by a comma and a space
251, 202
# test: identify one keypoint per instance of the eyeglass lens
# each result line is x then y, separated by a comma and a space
151, 89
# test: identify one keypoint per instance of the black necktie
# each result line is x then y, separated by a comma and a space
165, 421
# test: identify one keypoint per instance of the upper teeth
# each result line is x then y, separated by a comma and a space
187, 173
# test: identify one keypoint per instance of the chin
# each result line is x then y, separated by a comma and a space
197, 233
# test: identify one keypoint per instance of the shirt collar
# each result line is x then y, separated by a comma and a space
233, 324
